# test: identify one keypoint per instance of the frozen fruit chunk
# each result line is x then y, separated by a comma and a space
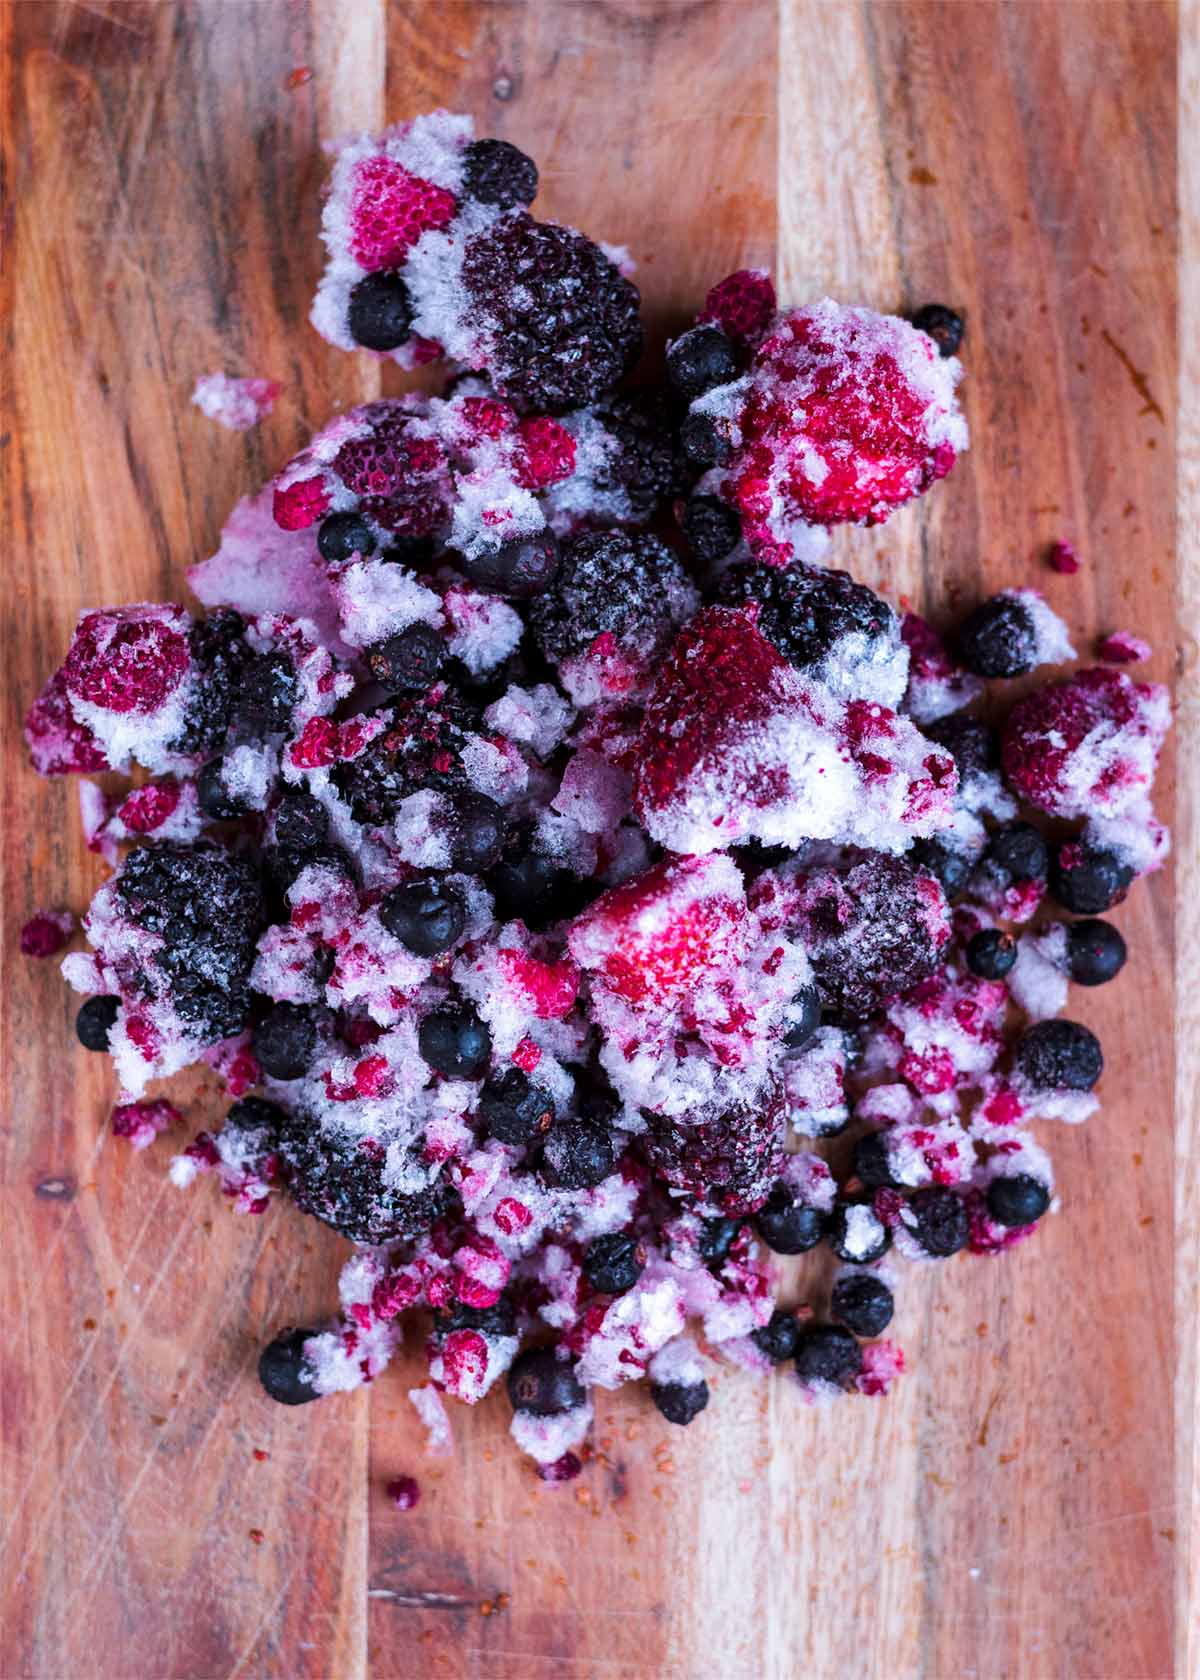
1088, 746
937, 684
236, 404
60, 744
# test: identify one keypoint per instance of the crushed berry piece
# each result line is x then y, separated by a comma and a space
404, 1492
564, 1469
45, 934
1120, 648
1063, 559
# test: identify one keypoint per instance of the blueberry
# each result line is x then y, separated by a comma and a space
408, 662
939, 1221
578, 1154
409, 551
477, 828
95, 1020
425, 916
863, 1303
381, 312
531, 887
1095, 952
786, 1225
872, 1163
496, 173
943, 325
803, 1017
1059, 1056
950, 868
283, 1370
826, 1353
212, 796
498, 1320
711, 527
455, 1042
705, 439
256, 1114
968, 740
301, 821
999, 639
266, 693
1019, 850
542, 1383
680, 1402
613, 1263
716, 1239
520, 568
515, 1111
342, 535
778, 1338
1087, 879
857, 1234
1018, 1199
991, 953
700, 360
285, 1041
283, 865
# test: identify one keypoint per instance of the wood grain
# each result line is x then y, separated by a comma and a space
1011, 1510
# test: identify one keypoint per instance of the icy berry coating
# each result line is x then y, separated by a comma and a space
1017, 1199
1087, 746
735, 1158
857, 1234
680, 1403
1095, 952
284, 1371
542, 1383
827, 1353
95, 1021
943, 325
863, 1303
742, 304
1059, 1056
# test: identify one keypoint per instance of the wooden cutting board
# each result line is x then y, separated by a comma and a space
1011, 1510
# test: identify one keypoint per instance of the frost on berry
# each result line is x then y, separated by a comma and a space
1088, 746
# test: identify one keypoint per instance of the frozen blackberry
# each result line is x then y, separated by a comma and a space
863, 1303
542, 1383
613, 1263
340, 536
999, 639
256, 1117
285, 1041
219, 654
777, 1338
620, 583
301, 821
426, 916
332, 1177
1087, 879
938, 1220
856, 1232
422, 749
788, 1226
95, 1020
716, 1239
804, 610
282, 866
991, 953
496, 173
680, 1402
1095, 952
872, 1163
711, 528
872, 932
284, 1371
968, 740
520, 569
381, 312
648, 463
826, 1353
212, 796
266, 694
578, 1154
410, 661
943, 325
1058, 1056
1017, 1199
1018, 852
803, 1018
476, 830
455, 1043
514, 1110
700, 360
733, 1161
563, 319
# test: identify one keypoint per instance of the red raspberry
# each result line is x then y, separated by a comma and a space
1085, 746
317, 746
486, 417
147, 808
125, 662
59, 745
546, 453
45, 934
141, 1122
373, 1077
1122, 648
403, 479
465, 1363
390, 209
511, 1215
1063, 559
404, 1492
742, 304
550, 988
300, 505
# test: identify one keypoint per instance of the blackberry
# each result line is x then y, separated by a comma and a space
710, 527
938, 1221
1059, 1055
426, 916
409, 661
422, 749
803, 610
95, 1020
647, 464
968, 740
496, 173
563, 319
258, 1119
285, 1041
340, 1183
301, 822
991, 953
283, 1370
613, 1263
213, 797
863, 1303
999, 639
340, 536
282, 865
1088, 879
519, 569
621, 583
542, 1383
701, 359
706, 439
219, 653
788, 1226
266, 694
680, 1402
455, 1042
871, 932
1018, 852
716, 1239
943, 325
857, 1234
1018, 1199
477, 827
826, 1353
578, 1154
778, 1338
872, 1163
514, 1110
951, 869
733, 1161
381, 314
1095, 952
803, 1017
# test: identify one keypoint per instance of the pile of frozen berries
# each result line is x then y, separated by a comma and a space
548, 854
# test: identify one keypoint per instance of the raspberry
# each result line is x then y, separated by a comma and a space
125, 661
141, 1122
562, 320
45, 934
59, 745
1121, 648
297, 506
390, 209
547, 453
742, 304
625, 584
549, 989
1087, 746
147, 808
1063, 559
403, 480
733, 1162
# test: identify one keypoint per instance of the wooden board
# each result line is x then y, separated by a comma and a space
1011, 1511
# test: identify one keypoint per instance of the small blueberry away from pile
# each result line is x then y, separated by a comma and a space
613, 1263
381, 313
827, 1353
1059, 1055
863, 1303
944, 326
788, 1226
680, 1402
455, 1042
95, 1021
283, 1371
1018, 1199
991, 953
514, 1110
541, 1383
425, 916
1095, 952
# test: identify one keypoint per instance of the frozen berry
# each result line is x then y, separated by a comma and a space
283, 865
999, 639
1087, 747
680, 1402
701, 359
300, 821
496, 173
455, 1043
404, 1492
416, 552
219, 653
711, 527
423, 748
477, 826
863, 1303
991, 953
804, 610
777, 1338
827, 1354
743, 303
950, 868
531, 887
788, 1226
542, 1383
733, 1159
284, 1371
857, 1234
1019, 851
716, 1239
342, 535
381, 312
1095, 952
624, 584
944, 327
95, 1021
1017, 1199
1087, 879
1059, 1055
872, 1162
613, 1263
333, 1178
803, 1018
212, 796
285, 1041
969, 741
645, 462
871, 932
266, 693
519, 569
426, 916
938, 1220
578, 1154
514, 1110
706, 439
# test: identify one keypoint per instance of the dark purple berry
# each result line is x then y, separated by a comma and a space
515, 1111
803, 1018
778, 1338
331, 1176
700, 360
872, 1163
788, 1226
863, 1303
520, 569
804, 611
938, 1220
680, 1402
416, 552
340, 536
706, 439
542, 1383
381, 312
212, 796
625, 584
711, 527
991, 953
716, 1239
826, 1353
613, 1263
1095, 952
1019, 852
1087, 879
496, 173
529, 886
857, 1234
578, 1154
943, 325
426, 916
968, 740
1018, 1199
455, 1043
950, 868
283, 1370
301, 821
408, 661
870, 931
1059, 1056
285, 1041
647, 465
476, 830
95, 1020
266, 694
999, 639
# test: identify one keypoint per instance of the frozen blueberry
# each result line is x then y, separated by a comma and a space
711, 527
1059, 1056
496, 173
803, 1017
778, 1338
680, 1402
950, 868
578, 1154
613, 1263
1019, 850
500, 1319
939, 1221
95, 1021
514, 1110
706, 440
408, 662
871, 1162
455, 1042
415, 552
827, 1353
968, 740
528, 885
283, 1370
519, 569
1019, 1199
701, 359
1095, 952
212, 796
426, 916
266, 694
863, 1303
476, 830
999, 639
381, 313
1087, 879
991, 953
716, 1239
341, 535
285, 1041
857, 1234
943, 325
788, 1226
542, 1383
301, 821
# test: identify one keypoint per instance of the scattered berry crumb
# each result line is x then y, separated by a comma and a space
404, 1492
45, 934
298, 77
1122, 648
236, 404
1064, 559
257, 1536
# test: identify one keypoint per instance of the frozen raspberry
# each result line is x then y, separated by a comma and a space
562, 319
1121, 648
623, 584
402, 478
547, 453
141, 1122
299, 505
148, 807
45, 934
1063, 559
944, 327
125, 661
59, 744
331, 1177
390, 209
1086, 747
742, 304
734, 1160
496, 173
284, 1370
